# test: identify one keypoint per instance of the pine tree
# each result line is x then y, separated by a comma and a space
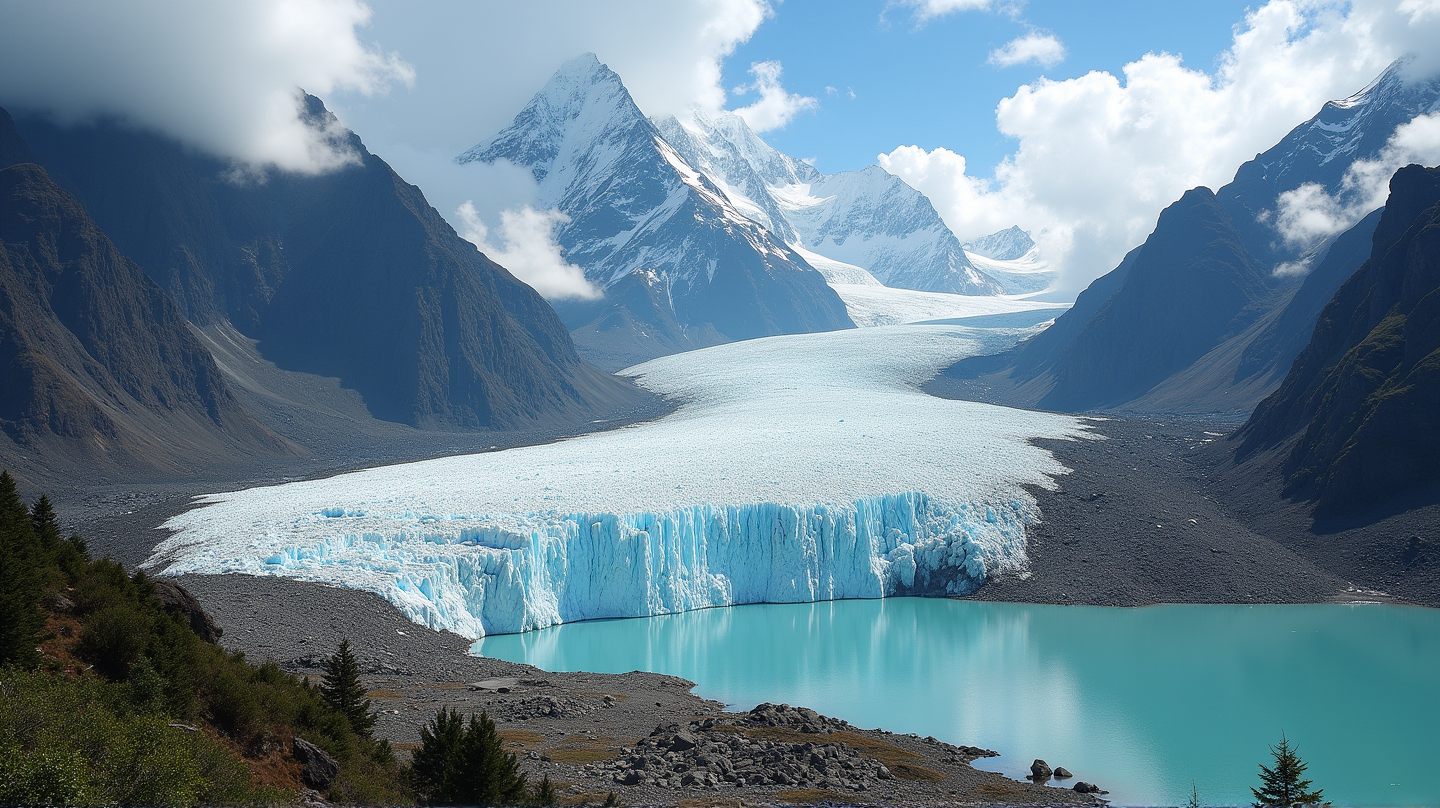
342, 690
439, 747
1282, 785
21, 621
465, 764
1194, 801
545, 794
45, 524
489, 774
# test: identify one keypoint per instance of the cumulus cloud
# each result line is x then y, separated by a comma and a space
527, 248
1098, 156
776, 105
1309, 214
1042, 49
222, 77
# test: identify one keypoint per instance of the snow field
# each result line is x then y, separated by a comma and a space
796, 468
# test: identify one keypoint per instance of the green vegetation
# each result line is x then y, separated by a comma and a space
464, 764
110, 697
342, 690
1282, 785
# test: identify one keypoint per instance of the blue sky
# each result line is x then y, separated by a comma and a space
930, 84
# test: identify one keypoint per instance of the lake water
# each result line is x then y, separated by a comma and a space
1141, 701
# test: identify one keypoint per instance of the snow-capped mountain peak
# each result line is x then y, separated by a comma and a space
633, 200
1009, 244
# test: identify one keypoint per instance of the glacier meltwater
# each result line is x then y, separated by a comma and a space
795, 468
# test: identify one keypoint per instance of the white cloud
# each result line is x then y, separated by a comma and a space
1042, 49
527, 248
222, 77
1099, 156
929, 9
1309, 214
776, 105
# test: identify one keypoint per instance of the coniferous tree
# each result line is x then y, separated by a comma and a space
1282, 785
45, 524
465, 764
341, 689
545, 794
21, 622
488, 774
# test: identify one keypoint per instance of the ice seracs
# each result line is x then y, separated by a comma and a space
797, 468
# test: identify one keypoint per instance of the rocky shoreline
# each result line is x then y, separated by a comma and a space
635, 734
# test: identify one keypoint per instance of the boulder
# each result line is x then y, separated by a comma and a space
1083, 787
176, 597
1040, 770
317, 768
1062, 773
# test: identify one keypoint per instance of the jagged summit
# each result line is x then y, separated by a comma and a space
1010, 244
634, 201
868, 218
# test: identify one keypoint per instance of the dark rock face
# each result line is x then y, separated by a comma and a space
1062, 773
1191, 284
1040, 770
177, 597
318, 769
349, 274
1363, 396
96, 360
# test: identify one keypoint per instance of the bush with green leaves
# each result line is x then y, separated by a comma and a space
153, 670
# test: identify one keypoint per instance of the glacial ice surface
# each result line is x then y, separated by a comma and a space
796, 468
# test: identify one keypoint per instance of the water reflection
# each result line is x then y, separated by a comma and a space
1142, 701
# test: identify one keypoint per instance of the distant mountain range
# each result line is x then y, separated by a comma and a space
1196, 319
699, 232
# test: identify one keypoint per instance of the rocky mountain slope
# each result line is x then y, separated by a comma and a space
349, 274
868, 218
1359, 407
98, 363
634, 203
1090, 358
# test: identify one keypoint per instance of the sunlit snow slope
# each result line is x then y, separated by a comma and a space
797, 468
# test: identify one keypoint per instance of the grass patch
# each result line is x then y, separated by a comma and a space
811, 796
709, 802
521, 738
1003, 792
387, 695
577, 750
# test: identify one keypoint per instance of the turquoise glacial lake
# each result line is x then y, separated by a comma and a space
1142, 701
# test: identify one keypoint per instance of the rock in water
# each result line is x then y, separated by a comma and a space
1062, 773
1040, 770
318, 769
175, 596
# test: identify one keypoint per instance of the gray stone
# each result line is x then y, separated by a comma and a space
1040, 770
1062, 773
318, 769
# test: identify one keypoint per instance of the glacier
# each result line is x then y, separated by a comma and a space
794, 468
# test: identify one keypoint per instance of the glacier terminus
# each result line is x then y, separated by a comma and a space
794, 468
